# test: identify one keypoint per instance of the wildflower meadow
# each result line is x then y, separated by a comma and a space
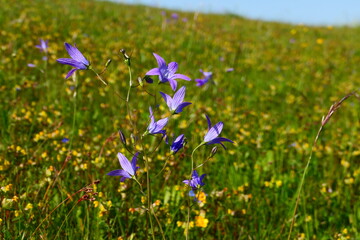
132, 122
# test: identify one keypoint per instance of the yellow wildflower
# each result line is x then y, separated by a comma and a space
28, 206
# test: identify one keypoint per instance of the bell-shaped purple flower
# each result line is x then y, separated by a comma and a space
206, 79
211, 136
167, 73
77, 60
128, 169
43, 46
176, 103
156, 127
177, 144
196, 182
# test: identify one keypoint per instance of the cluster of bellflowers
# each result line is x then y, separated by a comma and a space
166, 73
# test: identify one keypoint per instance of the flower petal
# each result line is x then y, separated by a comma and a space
208, 121
125, 164
133, 162
70, 73
168, 100
181, 106
161, 62
195, 174
214, 132
173, 84
119, 172
152, 118
179, 97
71, 62
161, 124
181, 76
200, 82
76, 54
172, 67
219, 140
186, 182
154, 71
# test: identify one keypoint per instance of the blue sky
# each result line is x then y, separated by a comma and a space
313, 12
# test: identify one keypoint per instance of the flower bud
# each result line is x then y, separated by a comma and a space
213, 152
140, 81
148, 79
126, 57
122, 137
108, 62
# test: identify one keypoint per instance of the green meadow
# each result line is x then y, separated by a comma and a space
272, 83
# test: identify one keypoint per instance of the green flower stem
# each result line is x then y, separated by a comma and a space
192, 157
141, 189
189, 203
130, 84
149, 206
74, 77
148, 196
99, 77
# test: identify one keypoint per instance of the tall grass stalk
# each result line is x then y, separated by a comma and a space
325, 119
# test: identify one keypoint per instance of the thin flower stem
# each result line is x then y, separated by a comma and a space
148, 191
162, 169
130, 84
141, 189
99, 77
189, 203
128, 99
75, 111
158, 145
158, 222
192, 157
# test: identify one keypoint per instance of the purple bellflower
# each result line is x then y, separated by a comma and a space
77, 60
156, 127
176, 104
167, 73
43, 46
206, 79
128, 169
196, 182
177, 144
211, 136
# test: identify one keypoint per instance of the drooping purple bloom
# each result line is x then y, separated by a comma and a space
156, 127
167, 73
43, 46
211, 136
64, 140
196, 182
128, 169
31, 65
176, 103
177, 144
202, 81
229, 69
77, 59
